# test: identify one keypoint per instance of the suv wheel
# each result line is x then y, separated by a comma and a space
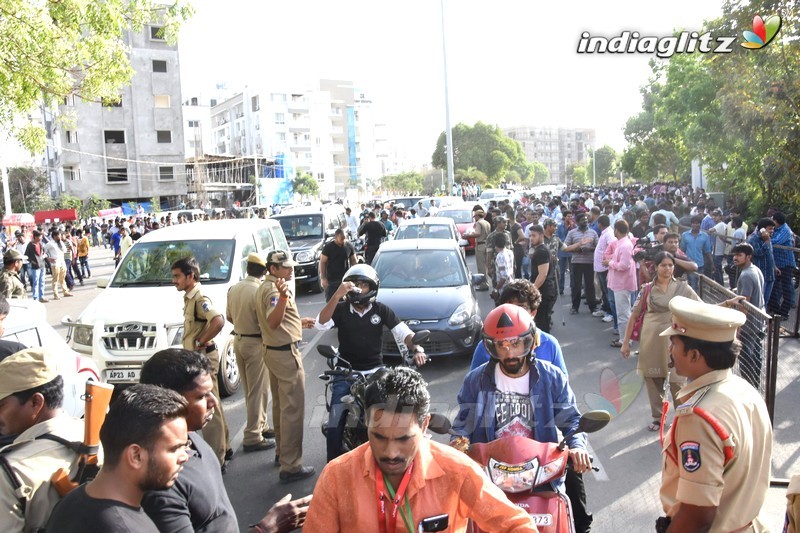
228, 377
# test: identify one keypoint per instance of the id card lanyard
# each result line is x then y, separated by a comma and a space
396, 499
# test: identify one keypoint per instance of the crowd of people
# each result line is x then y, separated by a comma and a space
631, 254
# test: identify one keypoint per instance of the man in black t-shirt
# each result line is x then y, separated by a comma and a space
337, 256
144, 441
375, 232
360, 321
543, 275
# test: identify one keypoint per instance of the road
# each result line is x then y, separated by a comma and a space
623, 495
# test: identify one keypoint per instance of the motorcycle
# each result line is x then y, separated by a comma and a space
353, 420
525, 470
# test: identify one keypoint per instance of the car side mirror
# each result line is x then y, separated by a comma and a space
478, 279
463, 242
102, 283
330, 233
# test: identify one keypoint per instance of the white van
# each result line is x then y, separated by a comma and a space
140, 312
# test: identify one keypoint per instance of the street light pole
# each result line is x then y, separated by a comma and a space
448, 130
594, 163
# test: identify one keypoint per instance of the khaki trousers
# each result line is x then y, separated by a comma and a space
255, 381
215, 432
480, 259
287, 381
59, 275
655, 392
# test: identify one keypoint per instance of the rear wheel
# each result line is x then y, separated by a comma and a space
228, 378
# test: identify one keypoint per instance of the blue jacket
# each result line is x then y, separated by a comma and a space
553, 403
548, 350
762, 256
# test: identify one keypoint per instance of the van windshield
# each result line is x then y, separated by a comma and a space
149, 264
301, 226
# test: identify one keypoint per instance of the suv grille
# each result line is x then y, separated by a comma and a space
130, 336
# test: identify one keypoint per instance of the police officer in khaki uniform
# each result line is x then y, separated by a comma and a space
281, 331
31, 393
480, 232
201, 323
241, 312
717, 454
792, 524
11, 285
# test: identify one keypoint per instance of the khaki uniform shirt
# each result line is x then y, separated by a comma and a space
698, 477
241, 309
290, 329
482, 230
198, 311
793, 506
35, 461
11, 286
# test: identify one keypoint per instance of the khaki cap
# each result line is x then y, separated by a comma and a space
256, 259
703, 321
281, 258
12, 255
25, 370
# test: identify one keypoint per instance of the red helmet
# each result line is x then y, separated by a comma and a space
508, 322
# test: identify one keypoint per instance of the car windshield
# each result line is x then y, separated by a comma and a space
407, 269
301, 226
423, 231
149, 263
460, 216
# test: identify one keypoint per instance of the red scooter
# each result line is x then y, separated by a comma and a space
525, 469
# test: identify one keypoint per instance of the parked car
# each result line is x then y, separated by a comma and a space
140, 312
461, 214
429, 228
308, 229
407, 201
427, 284
27, 324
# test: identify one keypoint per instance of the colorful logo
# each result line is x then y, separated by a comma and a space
763, 32
616, 393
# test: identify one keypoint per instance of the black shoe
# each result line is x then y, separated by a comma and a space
303, 473
277, 461
228, 454
268, 434
482, 288
266, 444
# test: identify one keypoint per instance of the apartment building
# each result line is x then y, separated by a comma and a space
555, 148
129, 150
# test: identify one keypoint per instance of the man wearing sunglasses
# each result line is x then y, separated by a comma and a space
515, 393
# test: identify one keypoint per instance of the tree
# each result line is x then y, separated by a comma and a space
305, 185
92, 206
25, 186
405, 182
540, 174
606, 165
51, 50
485, 148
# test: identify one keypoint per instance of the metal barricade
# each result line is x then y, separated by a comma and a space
759, 337
791, 326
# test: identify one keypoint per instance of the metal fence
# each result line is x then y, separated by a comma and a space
759, 336
791, 326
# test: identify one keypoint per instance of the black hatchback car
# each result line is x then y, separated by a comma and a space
426, 282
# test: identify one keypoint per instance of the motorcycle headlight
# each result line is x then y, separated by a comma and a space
462, 313
513, 477
83, 335
304, 257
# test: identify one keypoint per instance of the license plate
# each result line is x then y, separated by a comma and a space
542, 519
123, 375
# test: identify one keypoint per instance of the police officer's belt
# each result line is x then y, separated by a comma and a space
254, 335
284, 348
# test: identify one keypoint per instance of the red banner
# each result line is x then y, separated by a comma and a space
57, 214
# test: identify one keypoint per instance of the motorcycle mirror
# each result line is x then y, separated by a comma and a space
592, 421
327, 351
439, 424
420, 336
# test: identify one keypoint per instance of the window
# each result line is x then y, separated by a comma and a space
72, 174
166, 173
164, 136
159, 65
280, 118
161, 101
69, 99
194, 123
117, 175
254, 103
281, 136
277, 97
72, 136
112, 102
114, 136
156, 33
265, 240
320, 177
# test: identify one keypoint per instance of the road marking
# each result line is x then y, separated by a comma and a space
312, 343
601, 474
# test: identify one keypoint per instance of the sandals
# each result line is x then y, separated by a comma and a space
616, 344
655, 425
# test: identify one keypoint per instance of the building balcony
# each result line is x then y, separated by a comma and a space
304, 147
67, 158
299, 125
297, 106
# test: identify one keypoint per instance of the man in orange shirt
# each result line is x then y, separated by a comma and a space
358, 490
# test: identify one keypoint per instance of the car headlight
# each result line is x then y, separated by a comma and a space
462, 313
304, 257
83, 335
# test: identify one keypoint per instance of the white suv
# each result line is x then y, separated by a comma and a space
140, 312
27, 324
